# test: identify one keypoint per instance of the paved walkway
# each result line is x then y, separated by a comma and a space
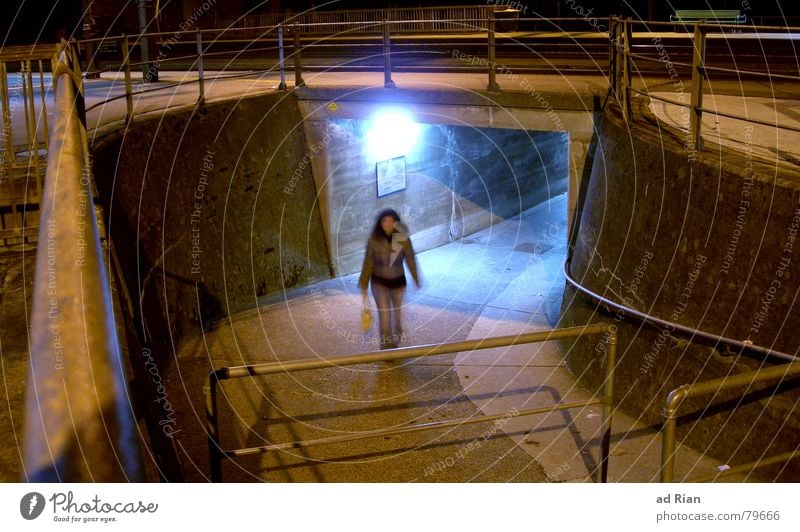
504, 280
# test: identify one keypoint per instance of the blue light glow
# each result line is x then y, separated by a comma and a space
391, 133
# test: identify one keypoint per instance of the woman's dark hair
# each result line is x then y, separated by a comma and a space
378, 230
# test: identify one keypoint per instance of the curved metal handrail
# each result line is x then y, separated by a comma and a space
79, 425
744, 346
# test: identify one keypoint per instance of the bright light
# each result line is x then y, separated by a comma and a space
391, 133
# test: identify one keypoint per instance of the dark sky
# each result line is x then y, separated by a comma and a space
28, 21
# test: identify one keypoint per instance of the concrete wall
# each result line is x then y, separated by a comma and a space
198, 212
707, 244
459, 180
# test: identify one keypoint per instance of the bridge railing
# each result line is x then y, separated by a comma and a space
22, 156
79, 425
218, 452
404, 20
627, 63
281, 47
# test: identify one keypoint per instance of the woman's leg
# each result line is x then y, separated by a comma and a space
383, 303
397, 307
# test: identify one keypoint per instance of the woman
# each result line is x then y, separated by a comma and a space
388, 246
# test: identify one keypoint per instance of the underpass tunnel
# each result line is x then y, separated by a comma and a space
243, 227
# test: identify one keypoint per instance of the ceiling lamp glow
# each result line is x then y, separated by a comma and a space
391, 133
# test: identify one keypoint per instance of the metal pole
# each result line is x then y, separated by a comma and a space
698, 59
144, 41
212, 426
668, 450
8, 135
270, 368
490, 24
34, 146
618, 57
282, 84
23, 77
387, 58
200, 80
612, 55
298, 61
19, 220
88, 33
42, 93
608, 405
91, 67
126, 63
626, 70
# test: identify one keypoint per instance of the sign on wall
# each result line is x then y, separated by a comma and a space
391, 176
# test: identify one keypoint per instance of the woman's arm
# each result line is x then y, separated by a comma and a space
411, 261
366, 268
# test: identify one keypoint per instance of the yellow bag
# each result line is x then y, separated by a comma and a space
366, 317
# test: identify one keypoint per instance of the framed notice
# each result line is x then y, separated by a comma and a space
391, 176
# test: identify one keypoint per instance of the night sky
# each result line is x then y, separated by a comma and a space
29, 21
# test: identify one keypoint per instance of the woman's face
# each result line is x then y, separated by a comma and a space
387, 224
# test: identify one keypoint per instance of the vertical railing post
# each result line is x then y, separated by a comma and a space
4, 102
282, 84
298, 61
91, 61
387, 58
212, 427
23, 78
126, 65
626, 69
201, 84
8, 137
33, 154
490, 26
618, 56
43, 96
608, 406
612, 55
698, 74
668, 449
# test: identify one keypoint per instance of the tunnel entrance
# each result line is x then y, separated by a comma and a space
253, 238
505, 279
451, 182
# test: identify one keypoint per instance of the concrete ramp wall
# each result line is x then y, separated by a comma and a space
198, 214
707, 244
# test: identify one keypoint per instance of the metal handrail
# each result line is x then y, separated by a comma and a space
78, 425
217, 453
621, 83
677, 396
620, 37
770, 75
692, 333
